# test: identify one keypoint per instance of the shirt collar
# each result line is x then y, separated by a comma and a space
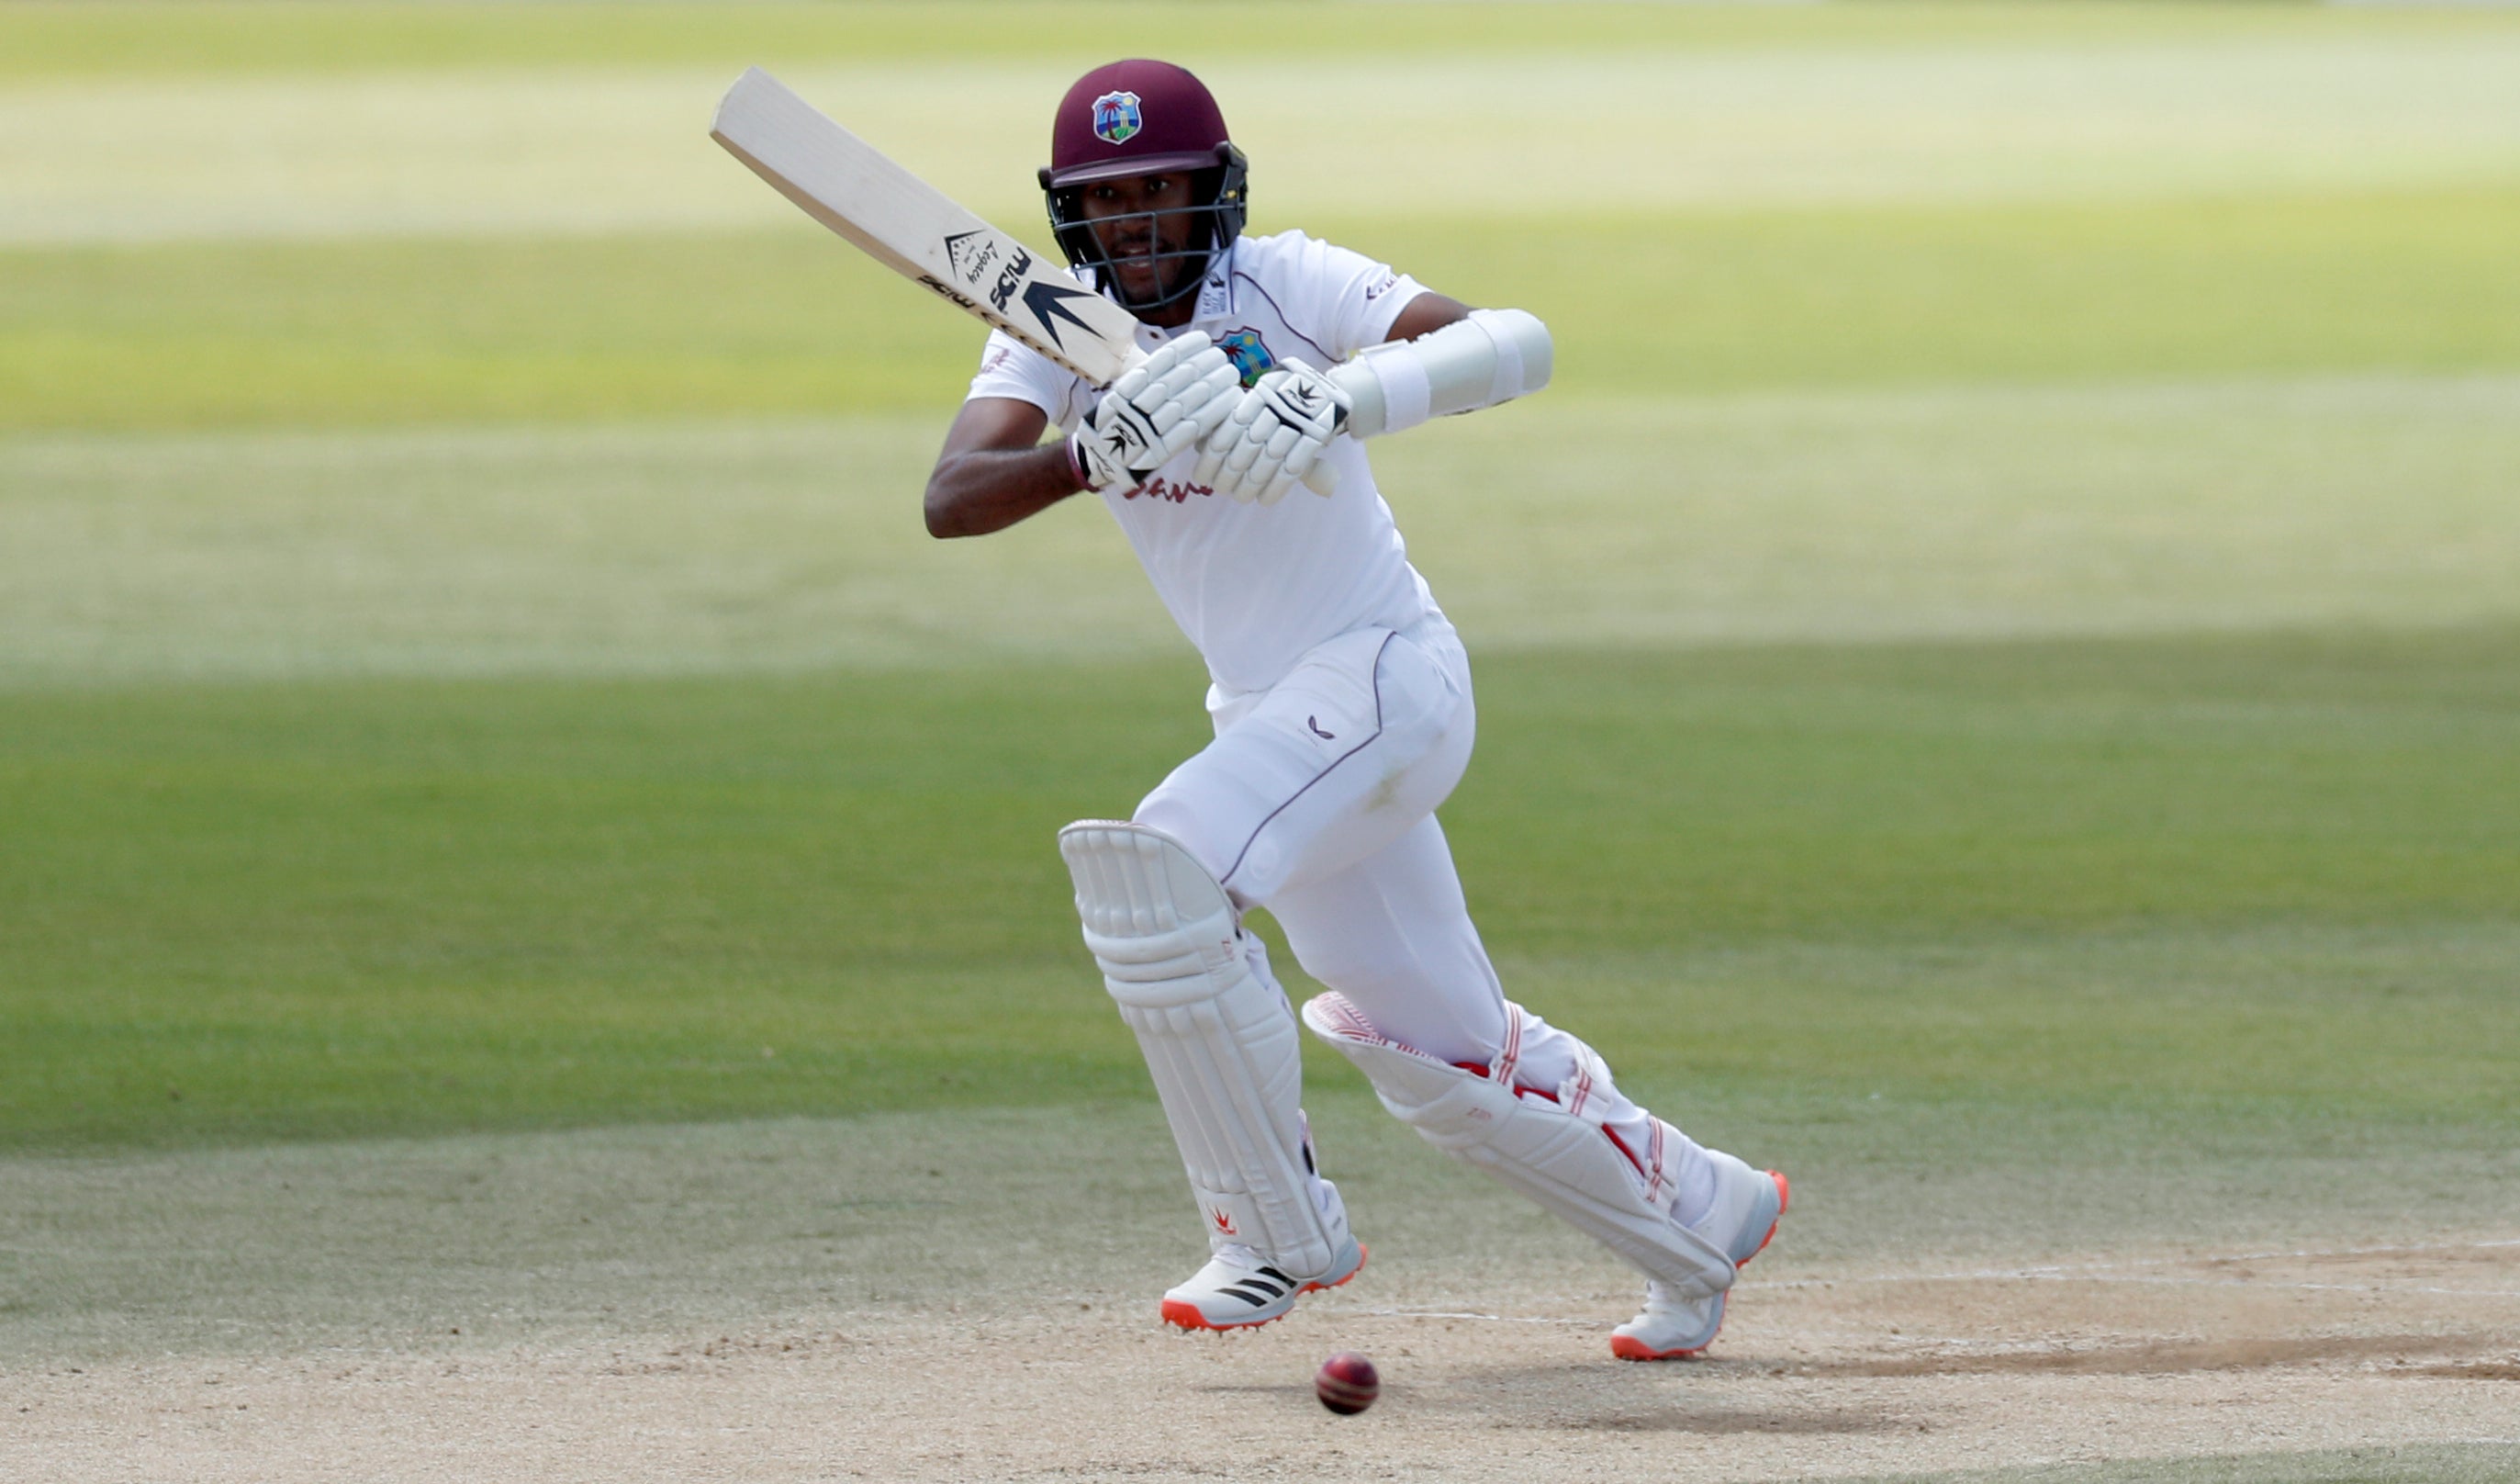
1216, 296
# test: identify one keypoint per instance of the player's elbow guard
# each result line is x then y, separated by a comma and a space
1492, 356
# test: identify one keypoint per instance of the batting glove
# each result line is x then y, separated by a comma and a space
1276, 436
1159, 408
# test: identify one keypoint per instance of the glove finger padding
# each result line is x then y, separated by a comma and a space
1164, 359
1269, 470
1251, 468
1154, 411
1275, 436
1223, 457
1169, 386
1130, 385
1230, 449
1203, 402
1234, 479
1211, 454
1211, 458
1301, 464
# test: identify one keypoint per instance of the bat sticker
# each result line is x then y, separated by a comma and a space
971, 254
1009, 279
947, 291
1046, 300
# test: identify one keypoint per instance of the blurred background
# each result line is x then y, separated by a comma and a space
2002, 641
435, 339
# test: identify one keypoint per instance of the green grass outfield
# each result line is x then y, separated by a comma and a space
2273, 873
65, 38
475, 328
2019, 625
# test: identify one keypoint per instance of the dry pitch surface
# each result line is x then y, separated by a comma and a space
875, 1299
1848, 1376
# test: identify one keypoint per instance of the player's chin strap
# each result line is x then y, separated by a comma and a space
1217, 1036
1539, 1143
1493, 357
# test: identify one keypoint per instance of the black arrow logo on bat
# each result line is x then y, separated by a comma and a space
1046, 300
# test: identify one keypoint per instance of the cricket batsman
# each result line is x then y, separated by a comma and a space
1341, 702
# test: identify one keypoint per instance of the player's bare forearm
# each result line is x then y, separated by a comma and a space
995, 470
1426, 314
990, 489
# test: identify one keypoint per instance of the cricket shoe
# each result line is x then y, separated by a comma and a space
1239, 1289
1747, 1203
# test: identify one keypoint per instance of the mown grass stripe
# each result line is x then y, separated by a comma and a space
788, 322
87, 37
2275, 876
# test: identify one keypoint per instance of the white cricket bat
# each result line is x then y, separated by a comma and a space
912, 228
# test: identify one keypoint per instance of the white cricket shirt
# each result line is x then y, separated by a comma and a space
1256, 586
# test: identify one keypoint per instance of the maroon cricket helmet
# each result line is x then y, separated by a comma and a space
1136, 117
1141, 117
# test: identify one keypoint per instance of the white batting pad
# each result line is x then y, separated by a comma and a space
1217, 1036
1561, 1160
1496, 355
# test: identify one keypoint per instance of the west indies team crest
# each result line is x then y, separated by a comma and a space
1116, 120
1250, 356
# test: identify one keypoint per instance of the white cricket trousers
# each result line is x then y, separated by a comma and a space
1317, 801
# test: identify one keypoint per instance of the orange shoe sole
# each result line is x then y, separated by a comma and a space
1185, 1315
1629, 1348
1784, 1198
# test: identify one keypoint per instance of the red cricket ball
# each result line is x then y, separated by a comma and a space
1346, 1383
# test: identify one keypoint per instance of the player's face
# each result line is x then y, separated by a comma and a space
1137, 217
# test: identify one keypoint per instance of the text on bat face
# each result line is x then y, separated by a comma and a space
975, 255
947, 292
971, 256
1011, 279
